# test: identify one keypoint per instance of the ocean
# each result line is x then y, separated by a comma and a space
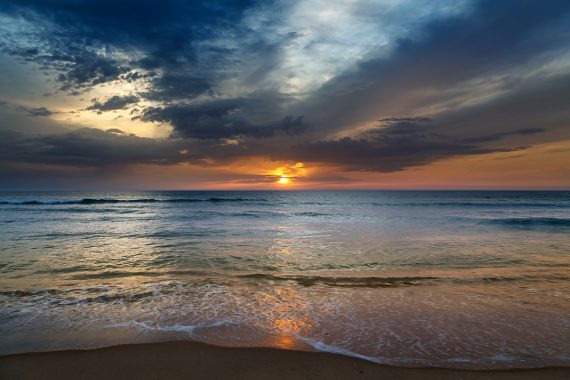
461, 279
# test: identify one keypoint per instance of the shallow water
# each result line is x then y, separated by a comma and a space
453, 279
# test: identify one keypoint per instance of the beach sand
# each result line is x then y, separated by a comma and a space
193, 360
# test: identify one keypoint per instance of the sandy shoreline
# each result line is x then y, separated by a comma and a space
193, 360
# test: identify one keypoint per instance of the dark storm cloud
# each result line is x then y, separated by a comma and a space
113, 103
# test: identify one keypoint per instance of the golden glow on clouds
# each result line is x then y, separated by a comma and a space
545, 166
286, 174
246, 173
71, 110
542, 166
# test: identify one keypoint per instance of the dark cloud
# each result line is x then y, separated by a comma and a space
29, 111
77, 67
113, 103
88, 147
171, 86
88, 71
136, 75
77, 38
219, 120
40, 111
396, 144
129, 21
535, 103
498, 136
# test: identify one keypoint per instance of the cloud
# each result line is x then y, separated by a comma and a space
94, 42
458, 62
88, 147
220, 120
498, 136
396, 144
172, 86
29, 111
113, 103
372, 85
76, 68
40, 111
89, 70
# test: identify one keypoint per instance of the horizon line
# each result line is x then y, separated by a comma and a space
286, 190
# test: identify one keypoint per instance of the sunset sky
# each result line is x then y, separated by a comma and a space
312, 94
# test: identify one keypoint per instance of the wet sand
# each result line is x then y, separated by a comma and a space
193, 360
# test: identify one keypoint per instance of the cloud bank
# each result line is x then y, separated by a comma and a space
367, 86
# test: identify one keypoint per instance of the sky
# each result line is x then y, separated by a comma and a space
284, 94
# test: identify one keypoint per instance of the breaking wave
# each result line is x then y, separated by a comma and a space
365, 282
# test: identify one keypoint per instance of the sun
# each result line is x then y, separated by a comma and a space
287, 175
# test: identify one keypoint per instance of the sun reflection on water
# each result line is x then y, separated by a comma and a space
287, 315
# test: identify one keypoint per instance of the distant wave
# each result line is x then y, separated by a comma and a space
365, 282
91, 201
311, 214
531, 222
473, 204
96, 201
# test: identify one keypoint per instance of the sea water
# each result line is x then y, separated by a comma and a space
418, 278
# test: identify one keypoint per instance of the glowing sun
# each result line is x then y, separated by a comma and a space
283, 181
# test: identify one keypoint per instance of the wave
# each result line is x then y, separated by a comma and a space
531, 222
512, 279
119, 274
77, 296
108, 294
92, 201
364, 282
323, 347
311, 214
474, 204
188, 329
